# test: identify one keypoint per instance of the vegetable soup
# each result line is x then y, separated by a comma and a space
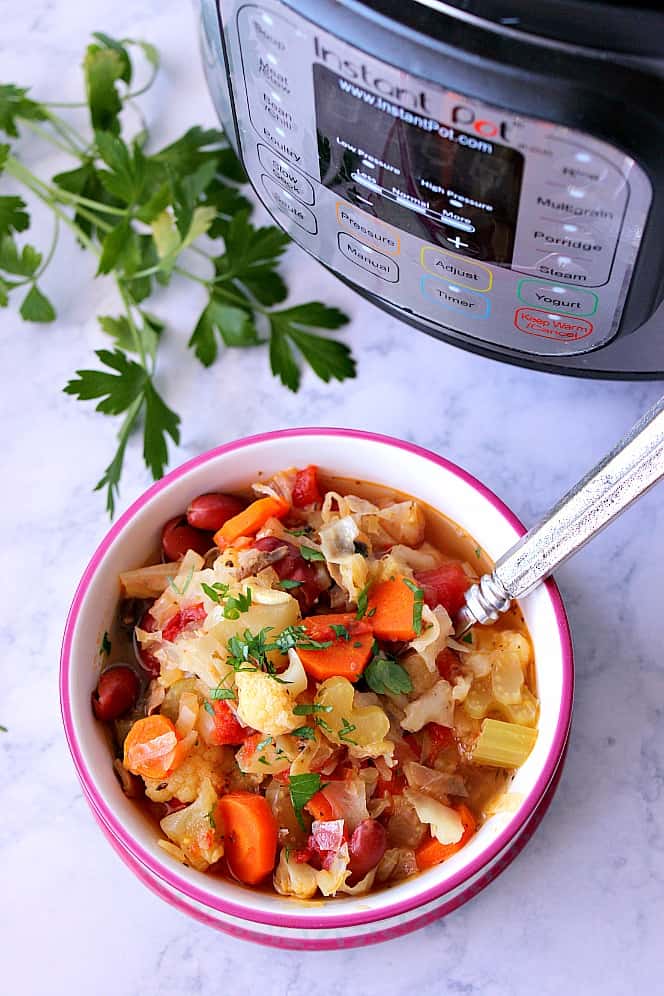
285, 696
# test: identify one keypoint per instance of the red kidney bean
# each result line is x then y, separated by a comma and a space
294, 567
178, 536
367, 846
116, 692
212, 510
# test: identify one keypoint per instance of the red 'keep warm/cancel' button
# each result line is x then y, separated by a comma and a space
549, 326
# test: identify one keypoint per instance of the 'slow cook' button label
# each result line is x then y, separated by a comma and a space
450, 295
289, 206
558, 297
284, 174
550, 326
369, 259
367, 229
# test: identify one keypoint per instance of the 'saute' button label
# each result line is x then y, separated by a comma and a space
456, 269
565, 328
367, 229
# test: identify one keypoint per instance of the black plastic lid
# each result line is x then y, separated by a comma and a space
635, 29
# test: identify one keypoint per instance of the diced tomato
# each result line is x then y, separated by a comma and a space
293, 567
326, 835
438, 739
282, 776
448, 664
185, 617
319, 807
301, 855
445, 585
227, 727
305, 489
394, 786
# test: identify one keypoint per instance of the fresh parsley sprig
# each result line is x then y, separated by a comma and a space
143, 214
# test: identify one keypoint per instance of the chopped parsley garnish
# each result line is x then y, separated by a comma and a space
478, 552
211, 819
105, 644
347, 728
249, 651
340, 631
302, 788
300, 532
209, 707
236, 604
307, 708
362, 602
216, 592
309, 553
305, 733
324, 725
357, 644
384, 675
187, 581
297, 636
263, 760
418, 604
468, 638
222, 693
371, 612
288, 583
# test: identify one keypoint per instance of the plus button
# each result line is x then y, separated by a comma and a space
457, 243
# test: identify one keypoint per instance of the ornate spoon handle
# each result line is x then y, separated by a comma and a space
629, 470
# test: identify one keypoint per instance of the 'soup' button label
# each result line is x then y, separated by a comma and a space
450, 295
367, 229
456, 269
369, 259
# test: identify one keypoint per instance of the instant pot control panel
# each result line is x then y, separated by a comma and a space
507, 229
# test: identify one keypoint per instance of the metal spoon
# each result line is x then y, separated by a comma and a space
619, 479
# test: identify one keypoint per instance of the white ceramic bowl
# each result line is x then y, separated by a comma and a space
261, 916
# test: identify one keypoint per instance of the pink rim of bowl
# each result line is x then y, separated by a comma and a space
311, 920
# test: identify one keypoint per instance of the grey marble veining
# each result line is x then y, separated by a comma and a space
581, 911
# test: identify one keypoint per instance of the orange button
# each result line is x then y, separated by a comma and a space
367, 229
550, 326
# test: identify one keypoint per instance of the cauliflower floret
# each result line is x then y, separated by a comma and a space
435, 706
264, 703
211, 763
194, 831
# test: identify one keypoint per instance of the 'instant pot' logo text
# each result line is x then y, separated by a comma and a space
467, 118
416, 99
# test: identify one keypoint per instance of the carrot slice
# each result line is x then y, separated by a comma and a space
319, 807
350, 648
432, 852
250, 520
150, 748
250, 835
390, 609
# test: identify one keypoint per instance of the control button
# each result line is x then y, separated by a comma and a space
557, 266
369, 259
289, 206
367, 229
456, 268
550, 326
578, 206
457, 298
268, 29
284, 174
582, 169
279, 141
558, 297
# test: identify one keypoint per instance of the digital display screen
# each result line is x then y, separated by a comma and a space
448, 187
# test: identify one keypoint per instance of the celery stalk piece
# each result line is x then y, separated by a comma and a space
503, 745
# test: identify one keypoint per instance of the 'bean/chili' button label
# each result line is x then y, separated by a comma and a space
547, 325
558, 297
456, 298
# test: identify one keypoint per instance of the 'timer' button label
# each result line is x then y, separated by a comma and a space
367, 229
369, 259
456, 269
457, 298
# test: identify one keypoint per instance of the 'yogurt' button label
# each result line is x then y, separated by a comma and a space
558, 297
549, 326
367, 229
457, 298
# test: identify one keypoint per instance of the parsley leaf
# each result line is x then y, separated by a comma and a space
340, 631
222, 693
302, 788
418, 604
36, 307
363, 601
232, 324
468, 638
105, 644
346, 728
15, 104
327, 357
304, 733
308, 553
288, 584
307, 708
383, 675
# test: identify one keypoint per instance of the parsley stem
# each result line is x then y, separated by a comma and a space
49, 256
138, 341
65, 195
70, 148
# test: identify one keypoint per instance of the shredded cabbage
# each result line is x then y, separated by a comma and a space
445, 822
436, 627
435, 706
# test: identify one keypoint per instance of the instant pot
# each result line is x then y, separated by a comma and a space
490, 172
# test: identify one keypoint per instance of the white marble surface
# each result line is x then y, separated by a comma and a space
582, 909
